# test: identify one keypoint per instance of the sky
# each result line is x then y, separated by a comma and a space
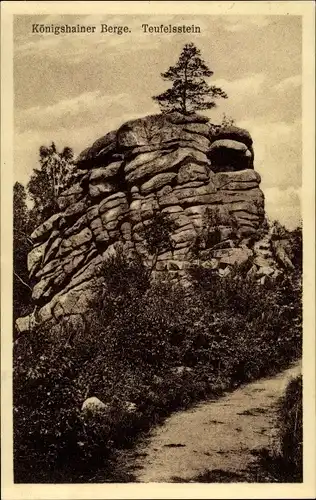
74, 88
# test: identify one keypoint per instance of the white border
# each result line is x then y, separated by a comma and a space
10, 491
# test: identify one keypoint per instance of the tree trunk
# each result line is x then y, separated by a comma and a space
153, 264
184, 97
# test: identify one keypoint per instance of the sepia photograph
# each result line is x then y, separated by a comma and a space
158, 247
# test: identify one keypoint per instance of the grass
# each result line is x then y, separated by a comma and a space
284, 463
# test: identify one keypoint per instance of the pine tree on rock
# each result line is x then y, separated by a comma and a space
189, 92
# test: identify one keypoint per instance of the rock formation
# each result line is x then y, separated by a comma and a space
178, 165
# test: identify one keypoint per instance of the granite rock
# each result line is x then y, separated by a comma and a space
176, 164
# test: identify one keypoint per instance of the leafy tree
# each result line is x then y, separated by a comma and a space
157, 236
21, 246
20, 211
189, 92
46, 183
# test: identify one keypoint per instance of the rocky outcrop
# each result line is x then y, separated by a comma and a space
178, 165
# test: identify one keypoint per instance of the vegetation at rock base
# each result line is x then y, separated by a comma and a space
210, 234
189, 92
156, 235
22, 244
145, 350
55, 174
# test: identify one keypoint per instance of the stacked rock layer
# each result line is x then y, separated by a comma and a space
178, 165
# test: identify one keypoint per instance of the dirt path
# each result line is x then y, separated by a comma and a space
218, 436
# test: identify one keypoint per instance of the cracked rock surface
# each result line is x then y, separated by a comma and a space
179, 165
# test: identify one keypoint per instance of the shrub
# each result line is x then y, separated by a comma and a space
283, 461
210, 235
290, 428
53, 439
122, 276
296, 239
159, 346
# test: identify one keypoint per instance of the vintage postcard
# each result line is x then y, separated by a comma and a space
157, 250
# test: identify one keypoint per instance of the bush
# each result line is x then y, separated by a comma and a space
158, 346
283, 462
296, 240
290, 428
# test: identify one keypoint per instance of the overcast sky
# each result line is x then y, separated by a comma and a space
74, 88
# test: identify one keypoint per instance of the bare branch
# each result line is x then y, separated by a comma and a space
20, 279
24, 234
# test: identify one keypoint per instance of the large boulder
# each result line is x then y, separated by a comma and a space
159, 129
93, 405
232, 256
231, 132
179, 165
165, 162
46, 228
99, 151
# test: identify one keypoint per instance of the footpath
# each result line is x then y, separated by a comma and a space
219, 438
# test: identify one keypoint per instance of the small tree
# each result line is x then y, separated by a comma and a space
157, 236
46, 183
189, 91
210, 235
227, 121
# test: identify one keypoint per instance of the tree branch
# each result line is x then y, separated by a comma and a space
153, 263
26, 236
20, 279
